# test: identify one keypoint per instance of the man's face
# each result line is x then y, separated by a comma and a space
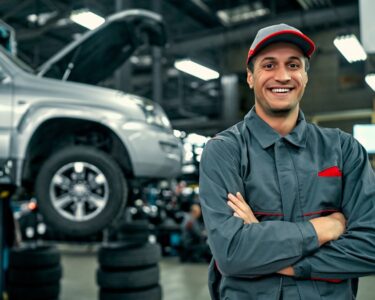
279, 79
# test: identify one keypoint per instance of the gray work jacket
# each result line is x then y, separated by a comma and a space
287, 180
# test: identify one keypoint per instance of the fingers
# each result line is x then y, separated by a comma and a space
239, 213
339, 217
239, 203
236, 209
239, 196
288, 271
241, 208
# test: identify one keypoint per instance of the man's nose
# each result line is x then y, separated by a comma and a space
282, 75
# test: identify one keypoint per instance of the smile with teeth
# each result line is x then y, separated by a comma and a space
280, 90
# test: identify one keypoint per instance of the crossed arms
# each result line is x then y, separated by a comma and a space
327, 228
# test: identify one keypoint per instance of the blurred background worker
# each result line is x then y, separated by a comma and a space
194, 247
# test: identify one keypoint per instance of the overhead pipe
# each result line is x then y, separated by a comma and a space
219, 38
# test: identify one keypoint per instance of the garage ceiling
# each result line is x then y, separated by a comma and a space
216, 33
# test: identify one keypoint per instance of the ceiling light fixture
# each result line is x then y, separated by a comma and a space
195, 69
42, 18
350, 47
242, 13
370, 79
87, 19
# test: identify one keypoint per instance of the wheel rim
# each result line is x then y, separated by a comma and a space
79, 191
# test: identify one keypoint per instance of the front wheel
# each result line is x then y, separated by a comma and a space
80, 190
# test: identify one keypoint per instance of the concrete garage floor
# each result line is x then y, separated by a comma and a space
179, 281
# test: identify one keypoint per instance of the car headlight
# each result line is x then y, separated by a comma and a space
156, 116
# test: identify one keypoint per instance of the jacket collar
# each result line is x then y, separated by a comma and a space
267, 136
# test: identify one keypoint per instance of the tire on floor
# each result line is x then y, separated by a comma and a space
129, 279
31, 256
35, 277
120, 255
34, 272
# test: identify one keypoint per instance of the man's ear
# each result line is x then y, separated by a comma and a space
250, 79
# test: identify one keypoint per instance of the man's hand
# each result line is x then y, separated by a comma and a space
288, 271
241, 208
329, 228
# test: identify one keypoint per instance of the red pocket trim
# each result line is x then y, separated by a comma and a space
330, 172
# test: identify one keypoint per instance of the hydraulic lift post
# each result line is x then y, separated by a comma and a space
6, 227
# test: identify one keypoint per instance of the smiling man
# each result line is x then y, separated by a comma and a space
289, 207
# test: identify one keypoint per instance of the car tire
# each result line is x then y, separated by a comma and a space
117, 255
140, 238
35, 277
80, 190
44, 292
134, 232
34, 272
154, 293
129, 279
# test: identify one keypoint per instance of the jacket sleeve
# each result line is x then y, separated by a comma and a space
353, 254
244, 250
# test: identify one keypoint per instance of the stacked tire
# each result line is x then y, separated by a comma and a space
129, 271
137, 231
34, 273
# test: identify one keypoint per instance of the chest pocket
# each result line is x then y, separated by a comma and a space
322, 189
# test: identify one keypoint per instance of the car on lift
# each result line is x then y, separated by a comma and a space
76, 147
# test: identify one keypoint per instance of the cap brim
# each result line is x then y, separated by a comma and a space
288, 36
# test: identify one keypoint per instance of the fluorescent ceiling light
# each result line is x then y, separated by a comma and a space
350, 47
197, 70
242, 13
86, 19
42, 18
370, 79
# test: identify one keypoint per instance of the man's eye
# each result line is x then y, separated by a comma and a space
268, 66
294, 66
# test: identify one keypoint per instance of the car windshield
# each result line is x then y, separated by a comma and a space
18, 62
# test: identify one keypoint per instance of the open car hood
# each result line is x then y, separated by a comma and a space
99, 52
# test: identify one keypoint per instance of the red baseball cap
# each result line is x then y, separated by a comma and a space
280, 33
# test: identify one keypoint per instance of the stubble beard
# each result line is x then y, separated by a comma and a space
283, 112
280, 112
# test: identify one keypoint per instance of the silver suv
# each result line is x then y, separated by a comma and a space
77, 147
